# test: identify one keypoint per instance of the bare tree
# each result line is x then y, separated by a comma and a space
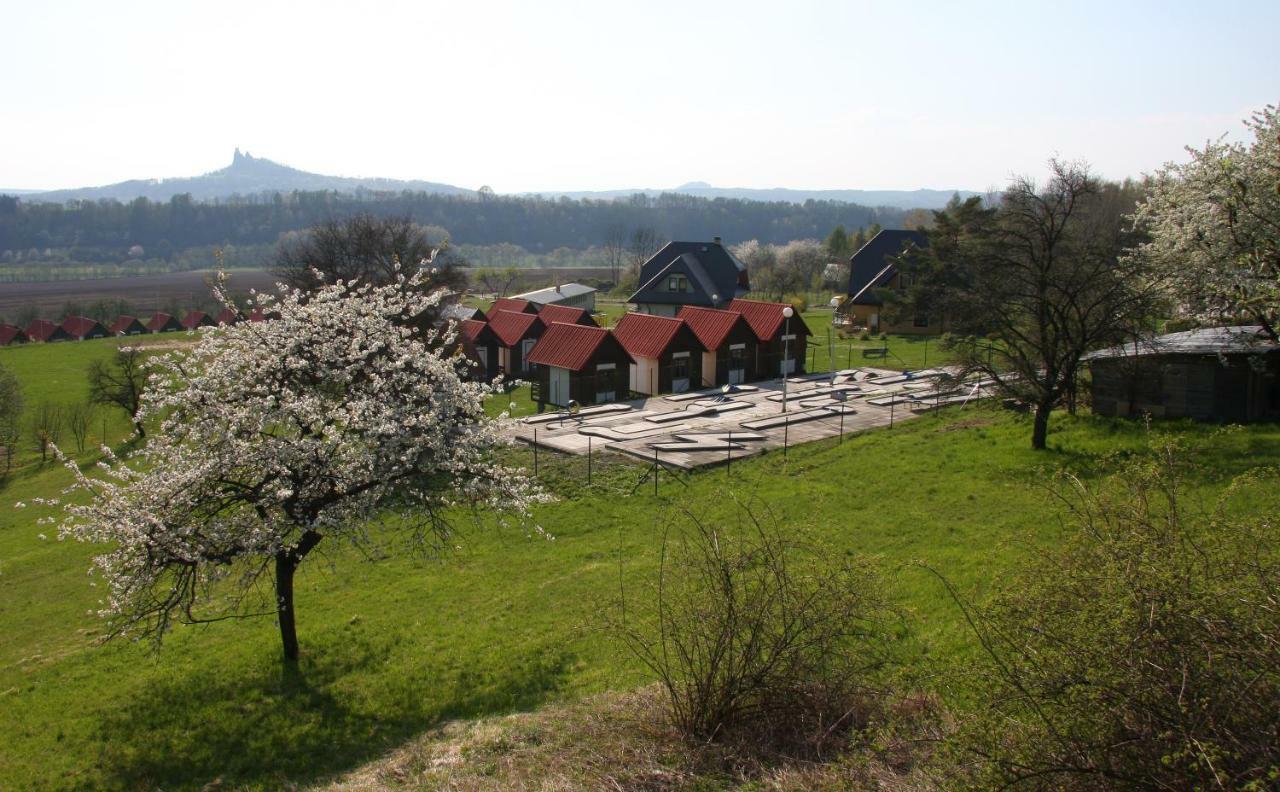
615, 250
46, 427
497, 280
643, 244
120, 382
11, 405
79, 417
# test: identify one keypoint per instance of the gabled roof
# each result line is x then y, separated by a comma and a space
513, 304
1245, 340
474, 331
511, 327
44, 330
570, 346
10, 334
163, 323
646, 335
457, 312
554, 294
872, 266
710, 325
709, 266
82, 327
226, 317
563, 313
125, 324
766, 318
195, 319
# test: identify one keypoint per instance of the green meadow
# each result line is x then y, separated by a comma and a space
508, 620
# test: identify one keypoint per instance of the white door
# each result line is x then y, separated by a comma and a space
526, 346
680, 372
483, 354
559, 386
737, 364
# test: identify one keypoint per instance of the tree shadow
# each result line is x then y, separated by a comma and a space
266, 726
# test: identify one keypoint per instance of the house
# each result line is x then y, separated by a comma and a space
667, 353
571, 295
689, 273
730, 343
516, 333
579, 363
781, 343
1221, 374
513, 304
197, 319
555, 312
10, 334
873, 271
82, 327
45, 331
127, 326
163, 323
456, 312
480, 345
226, 317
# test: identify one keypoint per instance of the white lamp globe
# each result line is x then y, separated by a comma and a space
787, 312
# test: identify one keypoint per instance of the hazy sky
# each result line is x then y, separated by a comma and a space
548, 95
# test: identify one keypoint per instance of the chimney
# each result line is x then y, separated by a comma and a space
557, 288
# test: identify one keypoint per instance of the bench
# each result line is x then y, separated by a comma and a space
875, 352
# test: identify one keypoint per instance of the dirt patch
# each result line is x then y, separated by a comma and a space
970, 423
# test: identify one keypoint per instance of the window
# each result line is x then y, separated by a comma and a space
678, 283
680, 366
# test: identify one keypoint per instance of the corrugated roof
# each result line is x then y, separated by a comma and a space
81, 326
510, 327
44, 330
195, 319
122, 324
1248, 339
551, 295
710, 325
766, 317
563, 313
513, 304
475, 331
646, 335
163, 323
568, 346
10, 334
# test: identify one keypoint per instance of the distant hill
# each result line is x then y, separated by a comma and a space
246, 175
901, 199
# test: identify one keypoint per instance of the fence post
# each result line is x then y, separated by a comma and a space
786, 434
655, 472
728, 462
841, 442
535, 452
588, 460
892, 399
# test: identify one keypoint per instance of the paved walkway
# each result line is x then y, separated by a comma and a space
709, 428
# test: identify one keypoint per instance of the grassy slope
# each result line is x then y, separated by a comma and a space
506, 622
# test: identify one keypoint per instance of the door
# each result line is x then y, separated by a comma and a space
559, 382
526, 346
737, 364
680, 372
482, 353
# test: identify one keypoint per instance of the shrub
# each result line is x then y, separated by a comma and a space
751, 632
799, 303
1143, 653
865, 335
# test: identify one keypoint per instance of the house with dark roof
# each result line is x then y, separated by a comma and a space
11, 334
46, 332
164, 323
517, 333
127, 326
873, 271
555, 312
730, 344
82, 328
1218, 374
689, 273
480, 345
667, 354
198, 319
781, 343
572, 295
580, 363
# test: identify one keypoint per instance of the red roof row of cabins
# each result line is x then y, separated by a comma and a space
574, 360
81, 328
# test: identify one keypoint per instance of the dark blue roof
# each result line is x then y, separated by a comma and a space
872, 266
710, 270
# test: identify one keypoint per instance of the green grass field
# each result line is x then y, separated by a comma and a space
507, 621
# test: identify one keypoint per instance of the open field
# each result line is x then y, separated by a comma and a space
146, 294
506, 622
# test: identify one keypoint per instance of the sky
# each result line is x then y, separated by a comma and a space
552, 95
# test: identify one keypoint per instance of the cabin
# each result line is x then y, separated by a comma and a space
730, 344
705, 274
164, 323
567, 314
456, 312
570, 295
226, 317
480, 345
197, 319
667, 354
781, 343
11, 334
127, 326
513, 304
82, 328
45, 331
579, 363
873, 270
1217, 374
517, 333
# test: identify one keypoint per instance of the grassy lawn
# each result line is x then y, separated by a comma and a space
507, 621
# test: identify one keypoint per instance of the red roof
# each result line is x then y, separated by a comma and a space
711, 325
80, 327
569, 346
564, 313
765, 317
122, 324
226, 317
163, 323
471, 330
195, 319
645, 335
510, 327
512, 304
43, 330
11, 335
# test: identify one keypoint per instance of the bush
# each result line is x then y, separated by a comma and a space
753, 633
1144, 653
865, 335
798, 303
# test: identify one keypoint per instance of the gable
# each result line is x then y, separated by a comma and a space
872, 266
709, 265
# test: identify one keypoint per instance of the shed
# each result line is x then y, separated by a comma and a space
163, 323
570, 295
516, 333
580, 363
10, 334
782, 342
46, 331
82, 327
226, 317
480, 345
567, 314
667, 353
1222, 374
127, 326
196, 319
512, 304
730, 343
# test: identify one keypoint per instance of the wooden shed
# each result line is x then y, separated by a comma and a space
164, 323
782, 343
730, 343
46, 332
517, 333
1220, 374
480, 345
127, 326
512, 304
667, 353
226, 317
10, 334
581, 363
197, 319
82, 328
549, 314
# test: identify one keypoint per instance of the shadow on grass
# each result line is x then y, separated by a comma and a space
350, 700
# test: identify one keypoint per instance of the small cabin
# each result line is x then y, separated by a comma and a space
226, 317
781, 343
46, 332
197, 319
127, 326
667, 354
730, 343
516, 333
480, 345
550, 314
164, 323
579, 363
513, 304
11, 334
82, 328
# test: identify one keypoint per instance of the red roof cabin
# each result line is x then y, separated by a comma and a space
517, 333
45, 331
82, 327
127, 326
480, 345
10, 334
513, 305
782, 343
197, 319
551, 313
667, 354
164, 323
579, 363
730, 342
226, 317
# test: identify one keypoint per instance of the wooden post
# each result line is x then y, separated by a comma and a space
728, 462
841, 442
891, 403
786, 434
535, 452
655, 472
588, 460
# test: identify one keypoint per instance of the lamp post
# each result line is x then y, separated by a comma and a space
787, 313
831, 344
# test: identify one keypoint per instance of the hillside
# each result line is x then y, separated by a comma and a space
898, 199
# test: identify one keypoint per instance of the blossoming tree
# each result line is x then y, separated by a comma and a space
275, 436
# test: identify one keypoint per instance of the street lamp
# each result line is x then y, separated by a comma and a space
831, 344
787, 313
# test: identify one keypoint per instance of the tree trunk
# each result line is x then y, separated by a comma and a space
1041, 431
286, 565
141, 432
